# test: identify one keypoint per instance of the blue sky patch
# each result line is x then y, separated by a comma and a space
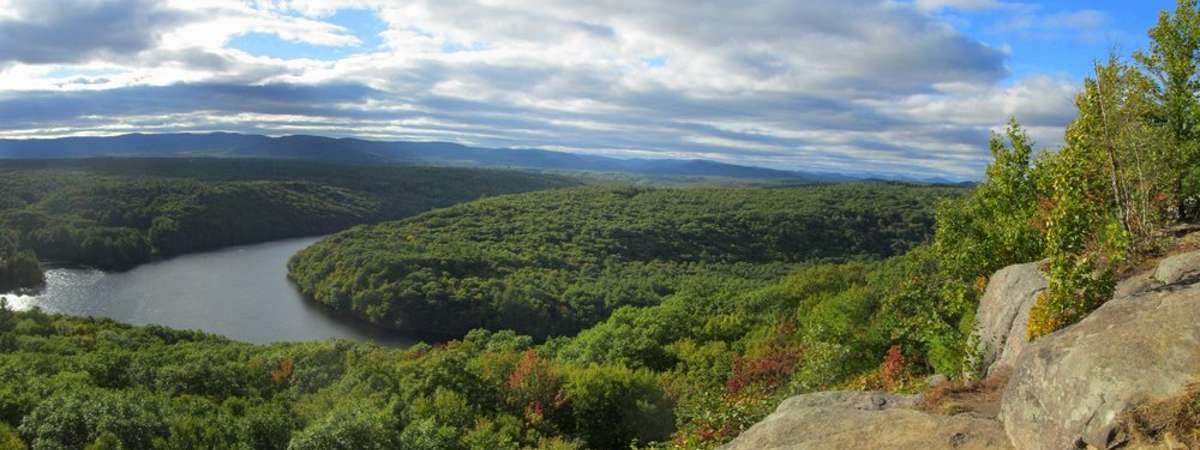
362, 23
655, 61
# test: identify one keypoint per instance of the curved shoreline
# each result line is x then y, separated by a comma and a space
238, 292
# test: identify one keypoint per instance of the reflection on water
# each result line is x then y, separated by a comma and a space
239, 292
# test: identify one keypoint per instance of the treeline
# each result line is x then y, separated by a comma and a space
553, 263
688, 372
116, 213
692, 366
19, 268
73, 383
1128, 172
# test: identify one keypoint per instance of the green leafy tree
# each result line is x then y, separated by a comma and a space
348, 430
1078, 281
106, 441
1172, 61
997, 225
1117, 126
76, 417
19, 268
1087, 229
9, 439
612, 407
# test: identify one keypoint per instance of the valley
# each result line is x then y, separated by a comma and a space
499, 225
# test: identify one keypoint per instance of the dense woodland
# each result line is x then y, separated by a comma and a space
553, 263
116, 213
704, 362
689, 366
19, 268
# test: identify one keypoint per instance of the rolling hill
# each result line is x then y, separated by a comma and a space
358, 150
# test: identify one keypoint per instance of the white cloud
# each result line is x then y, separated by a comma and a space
783, 83
964, 5
1086, 25
1079, 20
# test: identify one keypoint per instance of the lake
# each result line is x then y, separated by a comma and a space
239, 292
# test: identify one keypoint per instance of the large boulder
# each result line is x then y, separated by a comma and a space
1136, 284
1176, 269
1001, 322
866, 420
1179, 268
1068, 388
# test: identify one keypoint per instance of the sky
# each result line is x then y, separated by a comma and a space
887, 87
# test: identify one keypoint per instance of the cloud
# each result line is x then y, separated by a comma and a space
1086, 25
1078, 20
46, 108
783, 83
80, 30
964, 5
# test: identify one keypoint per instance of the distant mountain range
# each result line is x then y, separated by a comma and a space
358, 150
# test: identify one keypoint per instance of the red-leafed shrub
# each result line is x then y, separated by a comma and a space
773, 367
533, 388
283, 372
894, 369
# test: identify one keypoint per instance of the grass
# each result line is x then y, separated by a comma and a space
1168, 423
980, 397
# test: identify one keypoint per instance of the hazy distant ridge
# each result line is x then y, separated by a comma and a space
358, 150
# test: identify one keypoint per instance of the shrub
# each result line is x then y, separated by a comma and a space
76, 417
894, 368
347, 430
106, 441
9, 439
534, 388
612, 406
1084, 243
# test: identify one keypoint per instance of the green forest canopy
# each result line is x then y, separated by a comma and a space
713, 356
554, 262
116, 213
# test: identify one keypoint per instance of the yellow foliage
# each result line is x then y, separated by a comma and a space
1042, 319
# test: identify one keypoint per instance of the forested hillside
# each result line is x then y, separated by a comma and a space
714, 254
553, 263
115, 213
706, 306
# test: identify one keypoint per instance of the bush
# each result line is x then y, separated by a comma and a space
614, 406
9, 439
1084, 243
19, 269
348, 430
74, 418
106, 441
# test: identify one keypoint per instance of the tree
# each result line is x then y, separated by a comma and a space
348, 430
1116, 125
994, 227
1088, 230
1172, 62
9, 439
106, 441
613, 406
19, 268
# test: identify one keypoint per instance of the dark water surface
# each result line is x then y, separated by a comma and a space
239, 292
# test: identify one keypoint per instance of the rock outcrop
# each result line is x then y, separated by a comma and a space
1068, 388
1178, 269
866, 420
1136, 284
1003, 315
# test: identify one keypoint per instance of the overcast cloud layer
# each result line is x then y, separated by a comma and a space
850, 86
